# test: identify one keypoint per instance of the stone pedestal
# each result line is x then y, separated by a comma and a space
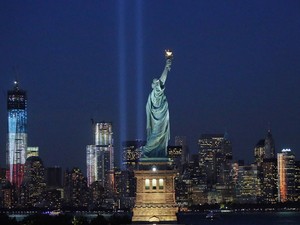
155, 194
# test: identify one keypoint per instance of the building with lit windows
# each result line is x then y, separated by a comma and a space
181, 141
215, 161
264, 149
96, 195
100, 157
175, 153
75, 188
16, 134
32, 151
92, 152
248, 184
269, 146
125, 188
8, 198
297, 181
54, 187
264, 154
98, 165
195, 181
269, 180
286, 177
259, 152
132, 153
33, 183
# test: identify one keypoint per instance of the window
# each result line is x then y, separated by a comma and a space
161, 184
154, 184
147, 184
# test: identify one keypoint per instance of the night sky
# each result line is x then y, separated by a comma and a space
236, 69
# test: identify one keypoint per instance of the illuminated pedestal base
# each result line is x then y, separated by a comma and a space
155, 194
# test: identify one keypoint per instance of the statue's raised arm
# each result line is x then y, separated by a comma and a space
164, 74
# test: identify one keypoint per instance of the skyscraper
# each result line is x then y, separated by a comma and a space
264, 149
248, 184
286, 177
269, 146
16, 134
75, 188
259, 155
175, 153
104, 139
194, 186
132, 153
32, 151
259, 152
125, 188
100, 156
34, 181
297, 181
215, 163
181, 140
215, 158
264, 153
269, 180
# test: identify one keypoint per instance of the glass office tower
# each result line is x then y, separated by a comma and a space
16, 134
100, 156
286, 175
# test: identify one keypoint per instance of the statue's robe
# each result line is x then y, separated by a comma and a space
158, 126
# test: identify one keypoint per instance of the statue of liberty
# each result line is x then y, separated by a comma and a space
157, 111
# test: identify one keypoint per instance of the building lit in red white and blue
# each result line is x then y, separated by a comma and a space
16, 134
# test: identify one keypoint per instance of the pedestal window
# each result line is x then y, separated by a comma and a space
154, 184
161, 184
147, 184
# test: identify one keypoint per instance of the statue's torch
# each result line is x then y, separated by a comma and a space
168, 54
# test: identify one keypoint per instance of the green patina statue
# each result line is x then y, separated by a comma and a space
157, 110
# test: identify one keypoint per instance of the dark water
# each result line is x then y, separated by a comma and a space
270, 218
267, 218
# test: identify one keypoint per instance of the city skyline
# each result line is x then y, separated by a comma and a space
235, 70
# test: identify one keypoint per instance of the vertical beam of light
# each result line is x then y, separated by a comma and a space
140, 108
122, 73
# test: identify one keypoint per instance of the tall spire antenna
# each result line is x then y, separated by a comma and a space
269, 127
16, 73
16, 83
